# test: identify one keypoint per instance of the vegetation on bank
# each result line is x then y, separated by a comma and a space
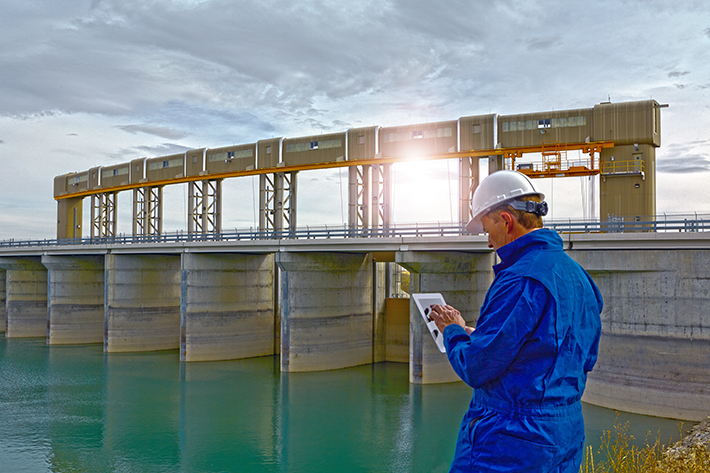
618, 455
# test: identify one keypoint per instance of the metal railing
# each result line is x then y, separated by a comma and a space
623, 167
660, 223
308, 232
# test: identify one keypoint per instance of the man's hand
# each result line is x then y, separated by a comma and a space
446, 315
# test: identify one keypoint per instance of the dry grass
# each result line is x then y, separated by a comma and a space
618, 455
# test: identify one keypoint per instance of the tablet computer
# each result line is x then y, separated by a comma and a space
424, 302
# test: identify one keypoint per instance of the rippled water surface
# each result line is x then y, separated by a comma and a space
74, 409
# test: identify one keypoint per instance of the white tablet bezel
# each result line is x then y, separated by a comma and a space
424, 301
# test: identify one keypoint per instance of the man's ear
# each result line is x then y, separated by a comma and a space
509, 220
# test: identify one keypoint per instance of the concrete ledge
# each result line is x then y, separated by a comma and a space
26, 319
328, 343
75, 299
75, 324
655, 376
227, 335
137, 329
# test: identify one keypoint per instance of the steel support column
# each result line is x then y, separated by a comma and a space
277, 202
370, 197
381, 197
360, 202
155, 211
205, 207
103, 214
139, 211
468, 181
148, 211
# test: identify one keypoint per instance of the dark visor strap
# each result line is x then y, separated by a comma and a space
537, 208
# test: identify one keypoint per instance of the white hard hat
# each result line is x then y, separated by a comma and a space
498, 188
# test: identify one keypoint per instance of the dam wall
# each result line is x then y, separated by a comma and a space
324, 304
655, 347
25, 296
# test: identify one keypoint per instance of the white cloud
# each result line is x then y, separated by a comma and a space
97, 82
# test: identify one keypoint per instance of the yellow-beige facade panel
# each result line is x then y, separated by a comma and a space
268, 153
69, 217
194, 162
166, 167
362, 143
314, 149
627, 186
71, 183
536, 129
477, 132
418, 140
138, 169
94, 177
60, 185
116, 175
627, 123
231, 159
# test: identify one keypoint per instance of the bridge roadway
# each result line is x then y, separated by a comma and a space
322, 304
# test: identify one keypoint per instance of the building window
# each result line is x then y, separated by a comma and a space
361, 140
115, 172
417, 134
544, 123
268, 150
476, 128
314, 145
166, 164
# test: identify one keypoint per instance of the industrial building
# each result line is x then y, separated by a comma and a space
619, 140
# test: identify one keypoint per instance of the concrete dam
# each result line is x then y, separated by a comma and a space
325, 304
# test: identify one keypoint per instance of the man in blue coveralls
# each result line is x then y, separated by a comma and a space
535, 340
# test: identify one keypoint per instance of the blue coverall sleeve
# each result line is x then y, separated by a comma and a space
507, 319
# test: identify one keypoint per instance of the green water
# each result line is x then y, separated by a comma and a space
74, 409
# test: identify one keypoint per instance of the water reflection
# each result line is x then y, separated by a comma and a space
227, 415
76, 409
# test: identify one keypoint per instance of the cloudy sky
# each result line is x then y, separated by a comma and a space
99, 82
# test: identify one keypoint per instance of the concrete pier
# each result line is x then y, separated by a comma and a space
3, 309
26, 296
655, 347
227, 309
463, 279
75, 299
142, 303
326, 310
